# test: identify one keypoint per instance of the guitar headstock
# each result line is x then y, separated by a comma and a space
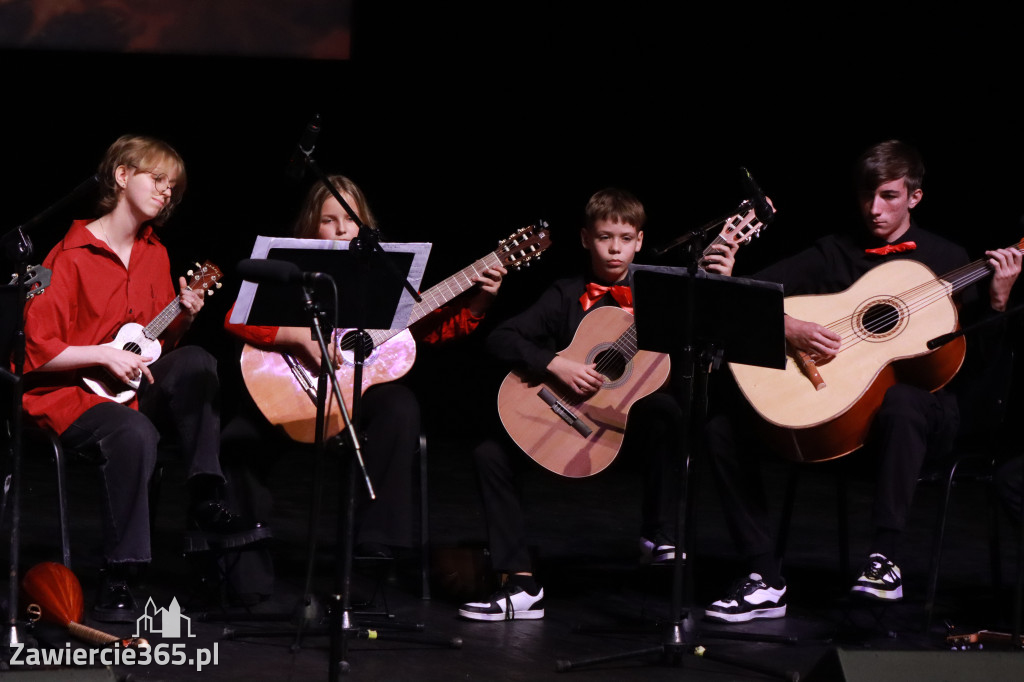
36, 279
204, 277
742, 227
524, 245
978, 640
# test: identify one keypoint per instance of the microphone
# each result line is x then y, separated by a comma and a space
307, 143
762, 209
270, 271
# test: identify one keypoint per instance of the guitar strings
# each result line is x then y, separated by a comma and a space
624, 346
932, 290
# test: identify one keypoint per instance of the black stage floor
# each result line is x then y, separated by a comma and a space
584, 535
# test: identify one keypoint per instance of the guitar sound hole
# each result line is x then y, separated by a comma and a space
133, 347
349, 340
611, 364
880, 319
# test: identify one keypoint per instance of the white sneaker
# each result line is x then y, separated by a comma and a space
880, 580
749, 598
508, 603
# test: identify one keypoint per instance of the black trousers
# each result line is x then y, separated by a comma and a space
652, 432
389, 423
180, 408
911, 424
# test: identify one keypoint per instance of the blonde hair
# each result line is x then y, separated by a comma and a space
307, 225
141, 153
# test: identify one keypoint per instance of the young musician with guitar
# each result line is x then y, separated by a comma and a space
911, 421
107, 273
390, 413
531, 341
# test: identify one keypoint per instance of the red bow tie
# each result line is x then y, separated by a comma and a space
621, 293
892, 248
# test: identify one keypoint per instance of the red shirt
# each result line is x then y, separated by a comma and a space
91, 295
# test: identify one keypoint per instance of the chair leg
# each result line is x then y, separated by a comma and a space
937, 541
62, 501
424, 522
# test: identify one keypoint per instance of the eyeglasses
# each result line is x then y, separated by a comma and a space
160, 180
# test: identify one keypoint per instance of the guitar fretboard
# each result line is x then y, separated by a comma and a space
439, 294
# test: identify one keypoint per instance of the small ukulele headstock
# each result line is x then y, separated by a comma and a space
204, 277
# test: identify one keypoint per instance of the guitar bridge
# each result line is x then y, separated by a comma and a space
564, 413
300, 374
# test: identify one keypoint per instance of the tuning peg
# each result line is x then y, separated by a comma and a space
218, 285
209, 292
189, 273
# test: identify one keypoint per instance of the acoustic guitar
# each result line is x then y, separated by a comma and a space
285, 390
578, 438
135, 338
816, 412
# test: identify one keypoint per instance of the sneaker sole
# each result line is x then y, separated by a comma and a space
878, 594
757, 614
492, 617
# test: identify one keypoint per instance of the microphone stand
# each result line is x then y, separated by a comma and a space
18, 248
692, 361
700, 234
341, 624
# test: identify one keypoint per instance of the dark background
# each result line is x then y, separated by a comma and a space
465, 121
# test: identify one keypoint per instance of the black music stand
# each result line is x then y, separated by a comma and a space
384, 303
722, 319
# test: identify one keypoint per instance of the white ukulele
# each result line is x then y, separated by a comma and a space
135, 338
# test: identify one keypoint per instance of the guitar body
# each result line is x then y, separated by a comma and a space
548, 438
276, 383
131, 337
813, 425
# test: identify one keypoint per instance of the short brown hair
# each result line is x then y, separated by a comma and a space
141, 153
307, 225
888, 161
617, 205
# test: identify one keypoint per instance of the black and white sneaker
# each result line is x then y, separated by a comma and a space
749, 598
658, 550
511, 602
880, 580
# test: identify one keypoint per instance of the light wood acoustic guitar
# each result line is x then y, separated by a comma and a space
578, 438
285, 390
133, 337
816, 412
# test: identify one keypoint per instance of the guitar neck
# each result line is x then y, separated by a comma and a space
969, 274
160, 323
439, 294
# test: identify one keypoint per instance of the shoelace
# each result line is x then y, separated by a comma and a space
740, 588
875, 572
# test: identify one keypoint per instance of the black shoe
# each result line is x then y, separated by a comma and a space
114, 601
749, 598
880, 580
511, 602
211, 525
658, 550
